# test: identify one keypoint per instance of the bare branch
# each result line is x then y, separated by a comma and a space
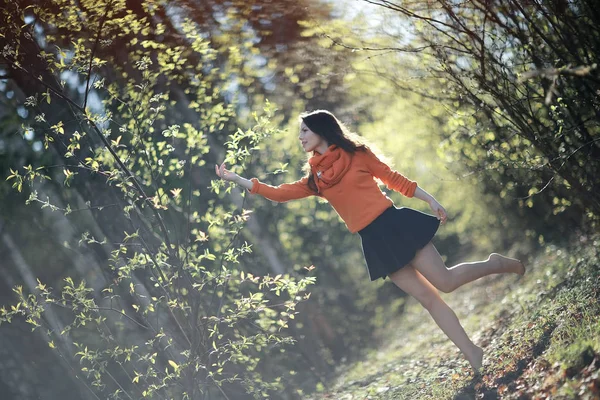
434, 23
409, 49
559, 168
581, 71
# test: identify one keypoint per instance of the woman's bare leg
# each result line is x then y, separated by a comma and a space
429, 263
414, 284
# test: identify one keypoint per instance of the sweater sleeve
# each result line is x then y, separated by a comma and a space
283, 192
392, 179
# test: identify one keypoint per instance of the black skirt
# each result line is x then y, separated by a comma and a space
394, 237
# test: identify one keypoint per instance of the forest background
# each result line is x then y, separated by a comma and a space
129, 271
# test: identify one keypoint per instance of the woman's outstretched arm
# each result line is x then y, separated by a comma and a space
280, 194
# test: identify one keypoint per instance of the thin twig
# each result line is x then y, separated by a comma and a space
105, 309
580, 71
87, 84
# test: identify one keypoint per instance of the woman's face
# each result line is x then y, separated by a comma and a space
309, 140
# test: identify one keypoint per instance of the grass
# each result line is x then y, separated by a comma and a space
540, 334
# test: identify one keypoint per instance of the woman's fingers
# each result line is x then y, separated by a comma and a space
224, 173
221, 171
443, 215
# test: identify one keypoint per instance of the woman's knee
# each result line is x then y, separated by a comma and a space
446, 285
442, 280
431, 265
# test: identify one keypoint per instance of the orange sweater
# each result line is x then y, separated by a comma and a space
353, 193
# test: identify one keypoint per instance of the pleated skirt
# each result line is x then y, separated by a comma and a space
394, 237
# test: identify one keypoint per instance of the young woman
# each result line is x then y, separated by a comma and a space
396, 242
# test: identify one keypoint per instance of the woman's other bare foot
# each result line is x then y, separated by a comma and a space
508, 264
475, 358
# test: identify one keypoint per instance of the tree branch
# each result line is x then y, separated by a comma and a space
365, 48
87, 84
582, 70
105, 309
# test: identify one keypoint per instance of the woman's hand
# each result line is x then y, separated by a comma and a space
438, 211
225, 174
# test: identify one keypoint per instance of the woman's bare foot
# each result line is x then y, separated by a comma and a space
475, 358
509, 264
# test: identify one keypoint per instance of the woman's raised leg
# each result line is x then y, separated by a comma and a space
429, 263
414, 284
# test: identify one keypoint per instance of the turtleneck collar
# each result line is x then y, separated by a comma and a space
329, 168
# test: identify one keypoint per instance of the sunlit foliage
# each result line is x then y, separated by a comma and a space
178, 317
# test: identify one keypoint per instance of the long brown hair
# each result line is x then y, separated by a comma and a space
326, 125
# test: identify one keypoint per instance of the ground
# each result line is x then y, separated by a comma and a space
540, 333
